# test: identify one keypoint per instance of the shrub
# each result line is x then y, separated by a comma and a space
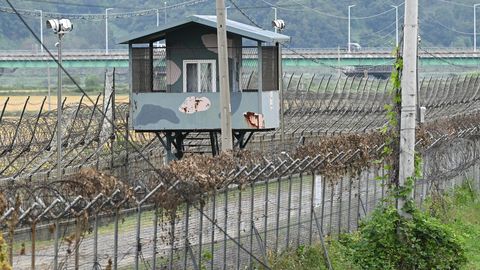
388, 241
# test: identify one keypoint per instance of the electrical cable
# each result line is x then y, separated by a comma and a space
101, 16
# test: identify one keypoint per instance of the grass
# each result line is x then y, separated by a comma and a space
459, 209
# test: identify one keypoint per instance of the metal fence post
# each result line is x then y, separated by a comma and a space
57, 238
299, 223
265, 214
173, 218
95, 243
225, 209
252, 200
138, 243
312, 208
115, 239
187, 219
239, 226
212, 244
200, 235
340, 195
154, 246
289, 205
277, 221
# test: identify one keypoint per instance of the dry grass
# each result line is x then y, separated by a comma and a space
16, 103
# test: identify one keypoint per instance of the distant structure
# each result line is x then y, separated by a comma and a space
174, 87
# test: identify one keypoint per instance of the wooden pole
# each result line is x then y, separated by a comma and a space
225, 110
409, 91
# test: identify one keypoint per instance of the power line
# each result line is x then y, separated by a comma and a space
455, 3
101, 16
444, 26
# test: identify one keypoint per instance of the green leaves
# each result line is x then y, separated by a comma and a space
388, 241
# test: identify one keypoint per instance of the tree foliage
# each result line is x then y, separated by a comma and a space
309, 23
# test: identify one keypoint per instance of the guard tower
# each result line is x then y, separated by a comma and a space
174, 85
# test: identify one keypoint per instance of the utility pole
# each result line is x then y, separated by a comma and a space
225, 110
397, 40
409, 100
349, 26
475, 27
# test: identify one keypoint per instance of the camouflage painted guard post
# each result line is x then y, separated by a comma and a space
174, 84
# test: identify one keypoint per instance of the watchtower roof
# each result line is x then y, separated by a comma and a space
241, 29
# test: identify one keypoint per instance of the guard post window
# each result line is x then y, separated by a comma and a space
199, 76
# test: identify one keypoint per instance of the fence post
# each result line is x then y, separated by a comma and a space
312, 208
173, 218
115, 239
187, 219
154, 247
277, 221
214, 218
95, 243
55, 245
265, 214
34, 230
340, 195
252, 201
78, 234
299, 223
289, 205
138, 243
200, 234
226, 230
238, 225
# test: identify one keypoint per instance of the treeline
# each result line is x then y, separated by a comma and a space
310, 23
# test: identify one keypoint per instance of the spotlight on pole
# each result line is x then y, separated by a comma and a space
61, 26
278, 24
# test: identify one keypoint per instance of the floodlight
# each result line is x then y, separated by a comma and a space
60, 26
278, 24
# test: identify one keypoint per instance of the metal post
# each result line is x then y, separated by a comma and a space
95, 243
348, 45
225, 229
41, 29
154, 246
225, 113
239, 223
59, 110
280, 90
55, 245
34, 231
409, 100
48, 82
187, 219
115, 239
165, 12
475, 27
397, 40
138, 243
275, 18
260, 75
299, 221
289, 207
212, 240
106, 29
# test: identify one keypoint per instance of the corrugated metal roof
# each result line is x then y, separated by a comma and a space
245, 30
